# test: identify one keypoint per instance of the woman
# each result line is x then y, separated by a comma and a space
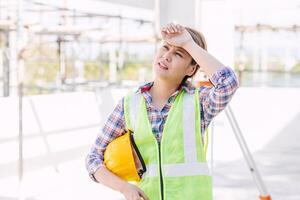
170, 107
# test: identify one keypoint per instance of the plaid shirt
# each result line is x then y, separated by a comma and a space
212, 101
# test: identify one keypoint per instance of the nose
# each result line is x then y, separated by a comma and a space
167, 56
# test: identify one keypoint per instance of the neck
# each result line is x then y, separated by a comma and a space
162, 89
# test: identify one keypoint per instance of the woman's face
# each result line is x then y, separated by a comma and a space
172, 63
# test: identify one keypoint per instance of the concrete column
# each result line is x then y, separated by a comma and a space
182, 12
213, 18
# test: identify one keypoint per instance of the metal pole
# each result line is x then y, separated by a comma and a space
248, 157
6, 66
20, 86
62, 61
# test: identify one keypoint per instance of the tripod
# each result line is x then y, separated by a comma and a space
264, 195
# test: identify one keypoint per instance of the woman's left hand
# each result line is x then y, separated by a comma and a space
176, 35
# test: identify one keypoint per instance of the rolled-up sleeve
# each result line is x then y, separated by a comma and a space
113, 128
214, 99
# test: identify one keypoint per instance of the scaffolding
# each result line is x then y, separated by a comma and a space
260, 51
71, 32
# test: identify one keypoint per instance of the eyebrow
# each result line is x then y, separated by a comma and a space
182, 51
177, 48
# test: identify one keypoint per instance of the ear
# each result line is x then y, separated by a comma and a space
191, 69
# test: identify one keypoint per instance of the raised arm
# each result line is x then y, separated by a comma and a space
177, 35
213, 99
209, 64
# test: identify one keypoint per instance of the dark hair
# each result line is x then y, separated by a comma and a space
199, 39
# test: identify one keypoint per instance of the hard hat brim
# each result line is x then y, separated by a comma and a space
141, 166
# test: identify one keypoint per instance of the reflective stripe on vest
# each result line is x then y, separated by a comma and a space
178, 170
133, 109
190, 153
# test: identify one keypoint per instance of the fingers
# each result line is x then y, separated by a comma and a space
179, 27
143, 195
133, 192
172, 28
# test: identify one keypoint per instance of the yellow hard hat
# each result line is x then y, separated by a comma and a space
123, 158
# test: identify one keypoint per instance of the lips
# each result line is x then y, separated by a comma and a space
163, 66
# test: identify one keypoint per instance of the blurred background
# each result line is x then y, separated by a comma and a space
65, 64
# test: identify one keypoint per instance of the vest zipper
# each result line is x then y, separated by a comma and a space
160, 173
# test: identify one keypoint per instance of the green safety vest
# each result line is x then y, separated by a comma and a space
176, 167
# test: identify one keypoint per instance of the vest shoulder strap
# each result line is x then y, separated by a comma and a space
131, 105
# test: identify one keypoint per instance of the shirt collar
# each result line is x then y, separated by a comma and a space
187, 86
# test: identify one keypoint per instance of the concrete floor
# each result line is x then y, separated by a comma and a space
274, 143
